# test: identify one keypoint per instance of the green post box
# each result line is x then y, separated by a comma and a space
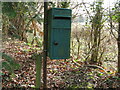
59, 31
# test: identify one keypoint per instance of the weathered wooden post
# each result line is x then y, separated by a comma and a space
38, 71
45, 45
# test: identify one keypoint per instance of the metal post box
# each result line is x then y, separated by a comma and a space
59, 33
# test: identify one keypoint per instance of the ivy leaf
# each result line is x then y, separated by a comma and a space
6, 66
7, 58
9, 64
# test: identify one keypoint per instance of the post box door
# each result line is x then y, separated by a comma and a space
60, 44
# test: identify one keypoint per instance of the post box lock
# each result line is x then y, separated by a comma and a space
55, 43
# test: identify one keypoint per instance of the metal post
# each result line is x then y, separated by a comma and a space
45, 45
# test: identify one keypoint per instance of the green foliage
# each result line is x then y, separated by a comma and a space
18, 17
39, 18
9, 63
65, 4
52, 4
59, 4
16, 36
116, 17
7, 66
116, 10
8, 10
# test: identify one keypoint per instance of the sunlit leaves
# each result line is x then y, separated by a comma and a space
65, 4
116, 12
116, 16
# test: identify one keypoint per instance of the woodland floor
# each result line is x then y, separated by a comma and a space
60, 73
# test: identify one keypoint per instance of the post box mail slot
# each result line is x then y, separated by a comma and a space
61, 17
59, 31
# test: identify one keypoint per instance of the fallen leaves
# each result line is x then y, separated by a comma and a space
60, 73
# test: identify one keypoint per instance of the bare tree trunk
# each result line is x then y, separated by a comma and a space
119, 48
96, 26
95, 47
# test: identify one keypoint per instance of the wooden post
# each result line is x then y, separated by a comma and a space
45, 45
38, 71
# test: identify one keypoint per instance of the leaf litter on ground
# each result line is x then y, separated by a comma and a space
60, 73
